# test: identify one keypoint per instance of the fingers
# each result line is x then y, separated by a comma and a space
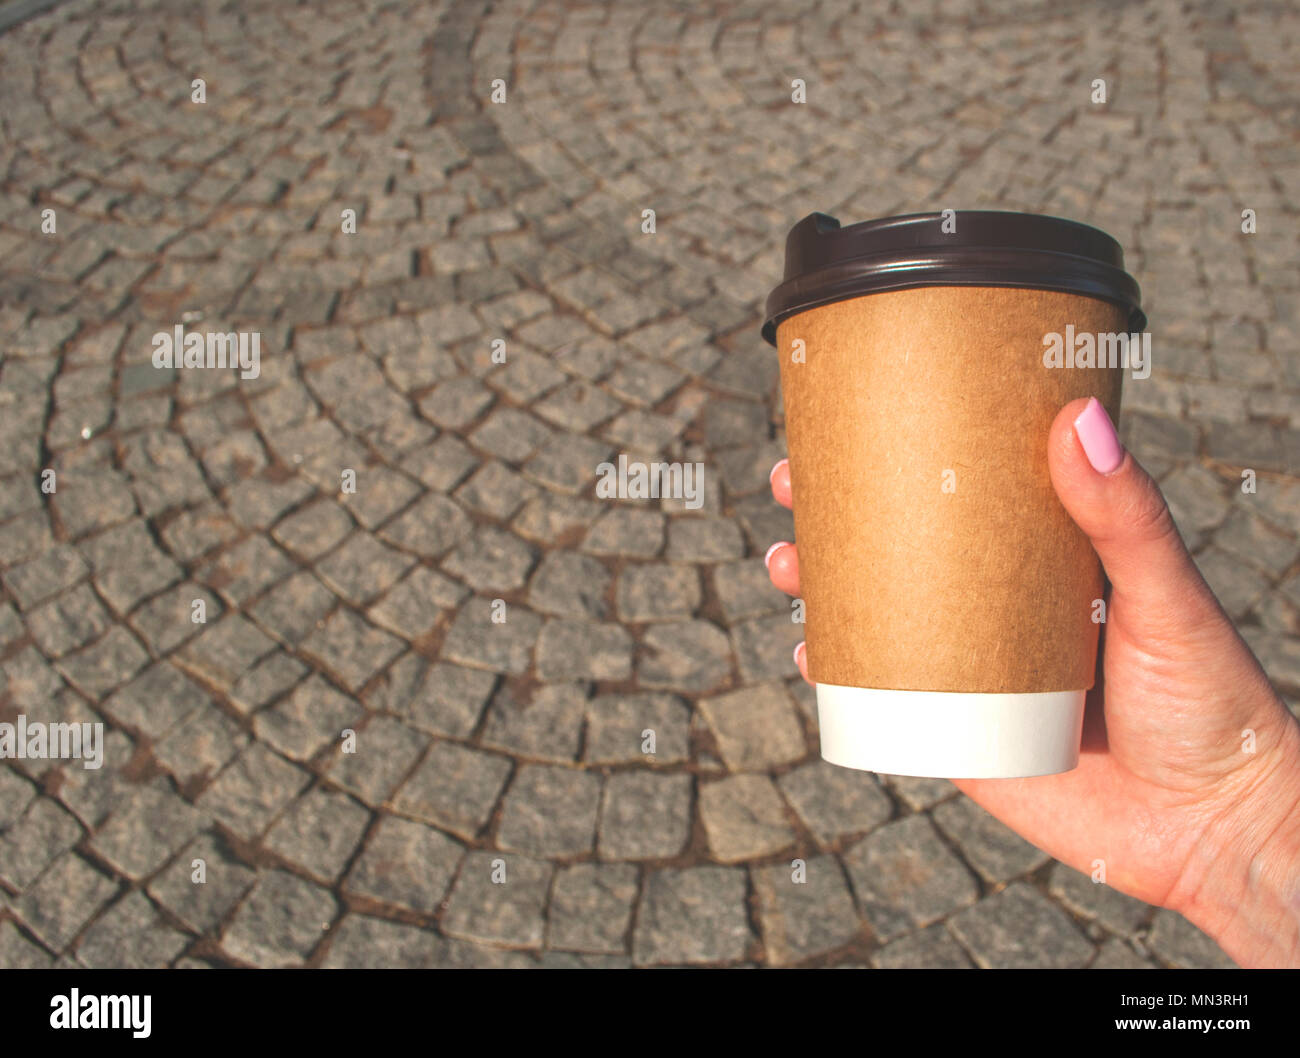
783, 558
1120, 507
780, 479
783, 566
801, 659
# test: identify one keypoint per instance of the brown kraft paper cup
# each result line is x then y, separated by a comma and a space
949, 597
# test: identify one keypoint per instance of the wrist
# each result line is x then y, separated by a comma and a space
1242, 883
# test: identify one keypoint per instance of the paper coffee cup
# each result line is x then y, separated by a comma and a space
952, 606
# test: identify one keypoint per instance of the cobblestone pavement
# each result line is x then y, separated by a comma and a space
482, 746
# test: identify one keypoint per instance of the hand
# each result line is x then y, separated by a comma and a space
1165, 794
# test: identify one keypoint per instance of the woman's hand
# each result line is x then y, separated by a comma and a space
1188, 786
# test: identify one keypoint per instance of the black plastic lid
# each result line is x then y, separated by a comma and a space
825, 263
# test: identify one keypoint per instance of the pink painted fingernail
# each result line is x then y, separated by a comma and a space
800, 647
777, 466
767, 559
1097, 435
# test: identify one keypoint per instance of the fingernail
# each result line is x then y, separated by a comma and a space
777, 466
801, 647
1097, 435
767, 559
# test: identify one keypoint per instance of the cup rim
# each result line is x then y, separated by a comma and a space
825, 262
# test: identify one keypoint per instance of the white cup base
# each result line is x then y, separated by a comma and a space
949, 734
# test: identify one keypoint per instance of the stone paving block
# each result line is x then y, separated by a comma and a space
834, 802
29, 678
694, 915
577, 406
456, 403
499, 898
764, 647
16, 793
549, 520
145, 828
755, 728
319, 833
440, 698
413, 606
384, 751
313, 530
258, 503
167, 621
548, 726
192, 534
574, 650
266, 681
405, 864
1020, 928
68, 621
491, 561
624, 727
905, 877
627, 531
567, 584
658, 592
693, 539
1114, 954
19, 953
198, 746
455, 787
692, 657
295, 609
1119, 913
510, 434
478, 641
745, 590
495, 491
644, 816
310, 718
131, 935
567, 462
363, 942
744, 818
932, 948
244, 571
252, 791
764, 522
996, 851
280, 922
351, 648
442, 464
37, 838
804, 910
90, 793
86, 502
201, 893
362, 569
550, 811
66, 897
591, 908
1177, 942
920, 793
224, 651
104, 665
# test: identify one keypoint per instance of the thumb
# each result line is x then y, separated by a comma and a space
1118, 505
